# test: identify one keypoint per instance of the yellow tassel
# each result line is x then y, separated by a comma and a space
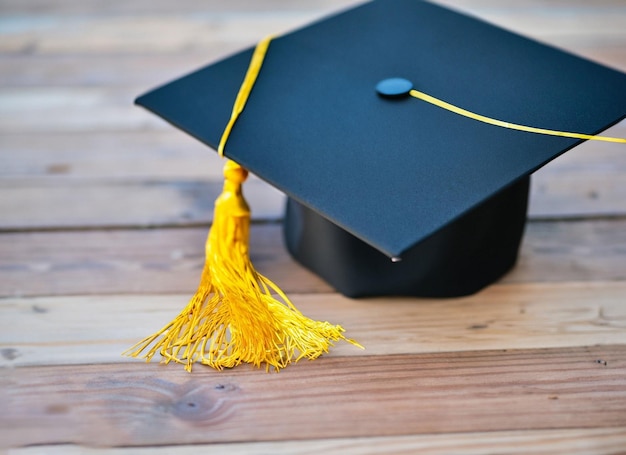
237, 315
234, 316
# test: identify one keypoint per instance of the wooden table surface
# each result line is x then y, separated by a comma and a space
103, 214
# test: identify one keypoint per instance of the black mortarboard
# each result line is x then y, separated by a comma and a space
372, 177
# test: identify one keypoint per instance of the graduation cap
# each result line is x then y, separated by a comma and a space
399, 132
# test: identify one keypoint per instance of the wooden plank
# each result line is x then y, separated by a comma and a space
80, 204
169, 261
34, 7
587, 181
144, 34
572, 251
165, 154
154, 261
168, 153
70, 109
164, 7
37, 110
96, 329
148, 70
114, 178
148, 32
579, 441
221, 38
133, 405
180, 31
549, 22
115, 69
61, 201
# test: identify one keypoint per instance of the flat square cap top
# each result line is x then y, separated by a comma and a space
394, 171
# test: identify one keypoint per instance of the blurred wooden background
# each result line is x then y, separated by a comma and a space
103, 214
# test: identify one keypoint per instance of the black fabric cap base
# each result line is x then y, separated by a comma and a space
393, 172
457, 260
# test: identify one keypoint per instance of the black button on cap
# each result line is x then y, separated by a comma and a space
394, 87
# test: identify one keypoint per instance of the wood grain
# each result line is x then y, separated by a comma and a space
155, 261
150, 261
165, 7
138, 179
518, 368
72, 71
80, 204
169, 154
183, 27
60, 202
523, 442
164, 155
334, 398
96, 329
148, 179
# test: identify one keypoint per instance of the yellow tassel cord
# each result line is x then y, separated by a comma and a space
246, 87
237, 315
514, 126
